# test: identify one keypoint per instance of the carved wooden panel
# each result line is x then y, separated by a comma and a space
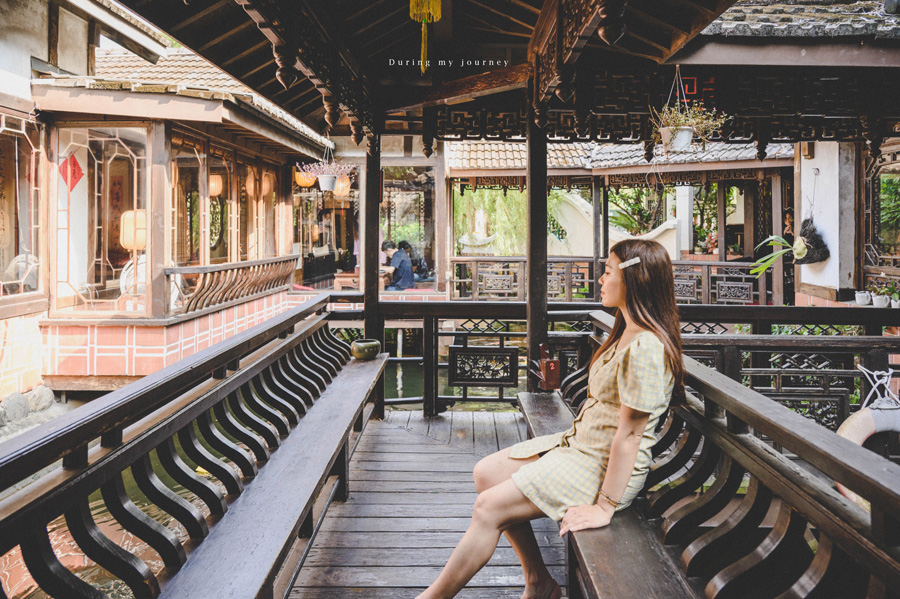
734, 292
483, 366
686, 290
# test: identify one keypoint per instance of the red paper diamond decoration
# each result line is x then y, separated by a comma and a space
71, 172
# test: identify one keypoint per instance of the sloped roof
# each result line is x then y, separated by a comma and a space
183, 72
805, 19
619, 155
512, 155
180, 67
478, 155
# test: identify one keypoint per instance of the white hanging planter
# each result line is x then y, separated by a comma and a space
327, 182
881, 301
676, 139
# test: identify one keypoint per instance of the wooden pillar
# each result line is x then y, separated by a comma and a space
605, 253
598, 203
536, 182
721, 191
443, 220
371, 200
750, 193
158, 208
777, 229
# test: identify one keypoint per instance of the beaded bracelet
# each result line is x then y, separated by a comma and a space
609, 499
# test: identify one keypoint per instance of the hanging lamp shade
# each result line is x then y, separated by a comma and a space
215, 185
305, 179
267, 184
426, 11
342, 187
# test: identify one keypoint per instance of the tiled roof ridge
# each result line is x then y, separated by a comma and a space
806, 19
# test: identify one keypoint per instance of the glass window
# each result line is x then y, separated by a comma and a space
20, 152
408, 208
221, 170
246, 201
887, 186
269, 204
187, 163
102, 220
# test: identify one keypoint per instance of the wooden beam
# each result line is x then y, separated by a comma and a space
200, 14
777, 229
467, 88
53, 35
536, 184
252, 49
378, 21
371, 202
598, 193
500, 32
528, 26
692, 5
721, 217
649, 18
218, 40
400, 25
526, 6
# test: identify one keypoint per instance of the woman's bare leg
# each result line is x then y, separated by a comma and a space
491, 471
495, 510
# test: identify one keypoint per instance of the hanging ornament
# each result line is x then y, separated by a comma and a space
427, 11
305, 179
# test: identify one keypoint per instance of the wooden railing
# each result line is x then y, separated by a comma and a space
505, 278
497, 329
237, 399
856, 552
573, 279
196, 288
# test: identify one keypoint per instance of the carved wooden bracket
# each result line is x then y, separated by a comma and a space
611, 27
873, 132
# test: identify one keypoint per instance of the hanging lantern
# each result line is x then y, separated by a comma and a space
215, 185
305, 179
251, 183
342, 187
267, 184
426, 11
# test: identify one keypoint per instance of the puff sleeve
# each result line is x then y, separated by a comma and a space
642, 375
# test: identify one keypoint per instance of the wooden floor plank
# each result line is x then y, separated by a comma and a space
439, 427
408, 576
380, 524
485, 433
462, 433
523, 428
418, 424
346, 556
411, 496
507, 429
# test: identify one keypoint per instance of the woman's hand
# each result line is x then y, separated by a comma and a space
582, 517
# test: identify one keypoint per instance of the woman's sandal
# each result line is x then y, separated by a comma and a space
547, 591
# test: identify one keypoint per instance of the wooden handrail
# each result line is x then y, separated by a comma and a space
197, 270
868, 474
70, 433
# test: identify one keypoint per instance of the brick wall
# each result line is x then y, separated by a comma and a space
128, 350
20, 354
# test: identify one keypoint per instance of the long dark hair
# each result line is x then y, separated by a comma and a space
650, 299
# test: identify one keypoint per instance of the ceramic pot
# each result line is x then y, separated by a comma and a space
327, 182
676, 138
863, 298
881, 301
895, 303
365, 349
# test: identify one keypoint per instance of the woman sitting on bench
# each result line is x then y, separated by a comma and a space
582, 476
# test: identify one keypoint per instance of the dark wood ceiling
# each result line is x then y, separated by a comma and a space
369, 34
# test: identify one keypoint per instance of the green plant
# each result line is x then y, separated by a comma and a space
702, 120
763, 264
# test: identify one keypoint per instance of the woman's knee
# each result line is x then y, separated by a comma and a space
485, 511
489, 471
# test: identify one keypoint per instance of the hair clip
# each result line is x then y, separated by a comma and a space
627, 263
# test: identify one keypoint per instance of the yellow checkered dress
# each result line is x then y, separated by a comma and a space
571, 471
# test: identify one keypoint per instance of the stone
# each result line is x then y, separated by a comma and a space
4, 419
40, 398
16, 406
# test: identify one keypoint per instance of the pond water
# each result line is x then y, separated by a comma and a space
405, 379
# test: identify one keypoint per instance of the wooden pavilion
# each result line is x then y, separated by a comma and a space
571, 70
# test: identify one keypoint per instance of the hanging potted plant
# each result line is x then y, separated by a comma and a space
677, 124
808, 248
327, 170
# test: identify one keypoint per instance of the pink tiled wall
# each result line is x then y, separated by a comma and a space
123, 350
801, 299
20, 354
